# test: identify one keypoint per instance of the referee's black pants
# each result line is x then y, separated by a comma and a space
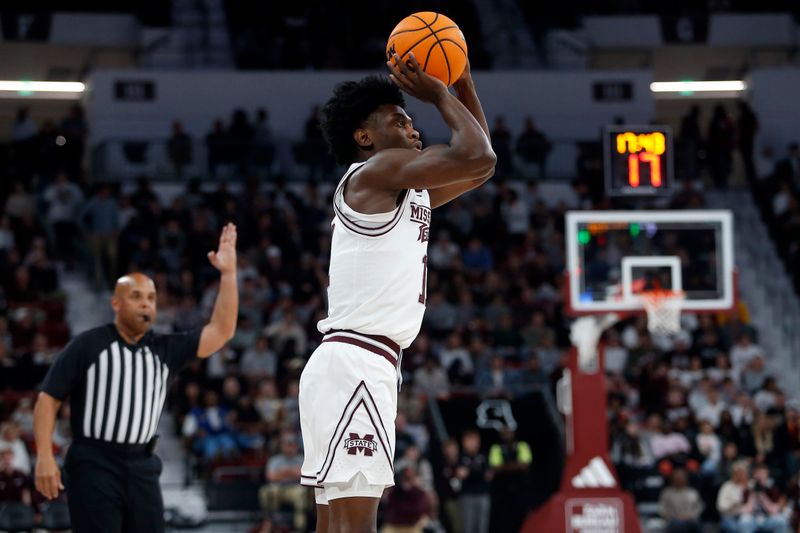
113, 489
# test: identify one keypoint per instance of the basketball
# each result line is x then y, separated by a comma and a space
435, 40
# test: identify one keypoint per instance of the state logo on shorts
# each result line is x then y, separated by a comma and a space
365, 444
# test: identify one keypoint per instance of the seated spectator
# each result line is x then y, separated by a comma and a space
765, 506
744, 351
743, 411
713, 407
443, 252
248, 424
456, 361
497, 380
681, 505
258, 361
23, 416
283, 487
730, 456
211, 429
709, 446
268, 404
15, 485
787, 441
630, 451
753, 374
408, 505
763, 437
477, 257
669, 442
412, 458
431, 380
10, 440
531, 376
766, 397
287, 335
732, 497
246, 334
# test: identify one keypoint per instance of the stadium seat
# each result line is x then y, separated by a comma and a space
55, 516
16, 517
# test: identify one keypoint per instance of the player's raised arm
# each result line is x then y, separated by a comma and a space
467, 95
468, 155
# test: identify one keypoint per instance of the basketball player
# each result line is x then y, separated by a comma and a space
378, 273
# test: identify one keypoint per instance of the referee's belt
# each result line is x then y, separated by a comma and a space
377, 344
121, 448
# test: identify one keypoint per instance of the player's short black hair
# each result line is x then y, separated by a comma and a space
352, 103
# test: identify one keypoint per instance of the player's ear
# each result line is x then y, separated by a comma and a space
115, 303
363, 139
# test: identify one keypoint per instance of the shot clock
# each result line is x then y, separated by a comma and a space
638, 160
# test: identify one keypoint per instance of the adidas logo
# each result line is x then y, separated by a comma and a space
594, 475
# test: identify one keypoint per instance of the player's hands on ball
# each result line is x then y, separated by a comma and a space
224, 259
48, 477
410, 77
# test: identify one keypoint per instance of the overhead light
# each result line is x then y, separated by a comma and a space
688, 87
41, 89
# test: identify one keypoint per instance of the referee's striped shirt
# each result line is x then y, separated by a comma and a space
116, 389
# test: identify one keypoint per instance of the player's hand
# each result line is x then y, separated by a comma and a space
48, 477
410, 77
224, 259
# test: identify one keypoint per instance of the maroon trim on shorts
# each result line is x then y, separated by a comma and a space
362, 344
361, 402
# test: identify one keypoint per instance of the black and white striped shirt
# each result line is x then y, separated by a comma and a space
116, 389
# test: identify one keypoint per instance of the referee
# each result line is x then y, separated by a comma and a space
116, 377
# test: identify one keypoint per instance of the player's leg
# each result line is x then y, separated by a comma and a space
323, 518
353, 515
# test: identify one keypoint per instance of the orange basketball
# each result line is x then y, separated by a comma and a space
437, 43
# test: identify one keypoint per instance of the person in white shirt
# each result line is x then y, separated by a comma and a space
710, 446
713, 407
10, 440
743, 352
730, 499
455, 357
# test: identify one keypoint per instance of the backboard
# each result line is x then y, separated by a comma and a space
613, 256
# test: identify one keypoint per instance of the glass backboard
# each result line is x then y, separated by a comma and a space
614, 256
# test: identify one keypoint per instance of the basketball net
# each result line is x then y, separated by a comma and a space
663, 310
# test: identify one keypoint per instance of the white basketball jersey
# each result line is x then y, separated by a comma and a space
379, 267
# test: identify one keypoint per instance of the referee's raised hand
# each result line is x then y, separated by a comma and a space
224, 259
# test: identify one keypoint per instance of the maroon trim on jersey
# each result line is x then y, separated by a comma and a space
354, 226
308, 484
365, 345
362, 401
366, 230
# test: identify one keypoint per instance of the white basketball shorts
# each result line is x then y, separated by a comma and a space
348, 403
